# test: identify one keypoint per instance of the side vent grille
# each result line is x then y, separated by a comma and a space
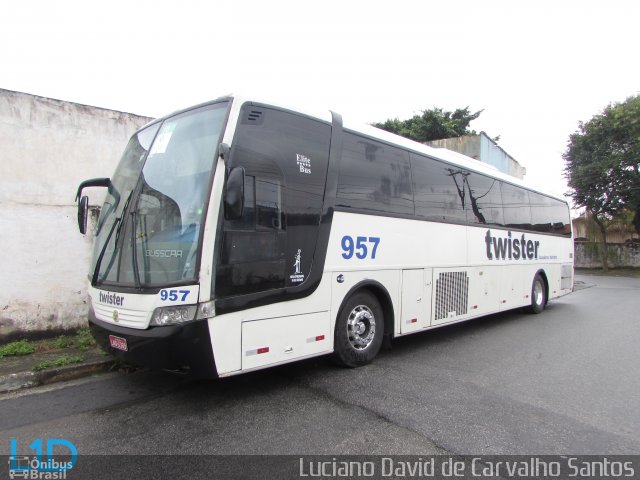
452, 295
254, 116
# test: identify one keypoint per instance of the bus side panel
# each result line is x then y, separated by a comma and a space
227, 330
226, 342
483, 291
515, 285
465, 292
503, 249
554, 276
279, 340
370, 242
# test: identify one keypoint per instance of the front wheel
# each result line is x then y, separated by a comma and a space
359, 330
538, 294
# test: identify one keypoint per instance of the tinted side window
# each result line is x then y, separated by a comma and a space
515, 203
439, 190
485, 200
541, 212
374, 176
560, 219
268, 197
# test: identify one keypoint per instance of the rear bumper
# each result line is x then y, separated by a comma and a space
184, 349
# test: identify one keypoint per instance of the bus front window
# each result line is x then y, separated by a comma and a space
161, 233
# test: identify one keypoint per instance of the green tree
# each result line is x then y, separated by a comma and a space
433, 124
602, 165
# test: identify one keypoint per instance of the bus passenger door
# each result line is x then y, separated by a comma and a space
416, 300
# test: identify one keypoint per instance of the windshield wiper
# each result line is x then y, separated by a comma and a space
116, 223
134, 249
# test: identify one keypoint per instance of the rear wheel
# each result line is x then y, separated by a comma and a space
359, 330
538, 294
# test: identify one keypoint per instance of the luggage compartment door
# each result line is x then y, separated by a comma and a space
279, 340
416, 300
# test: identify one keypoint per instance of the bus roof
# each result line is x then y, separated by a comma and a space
449, 156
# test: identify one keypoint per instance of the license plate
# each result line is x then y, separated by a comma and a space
118, 342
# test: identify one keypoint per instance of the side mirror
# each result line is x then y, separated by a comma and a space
234, 194
83, 213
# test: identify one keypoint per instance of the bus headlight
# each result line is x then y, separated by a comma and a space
173, 315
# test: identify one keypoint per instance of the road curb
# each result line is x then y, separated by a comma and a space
21, 380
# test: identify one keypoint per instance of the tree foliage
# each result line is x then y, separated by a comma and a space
433, 124
603, 162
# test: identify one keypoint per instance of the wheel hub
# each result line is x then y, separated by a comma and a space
537, 293
361, 327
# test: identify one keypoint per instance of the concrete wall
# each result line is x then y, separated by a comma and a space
481, 147
494, 155
468, 145
618, 231
47, 147
620, 255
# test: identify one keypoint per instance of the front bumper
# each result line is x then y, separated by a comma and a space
184, 349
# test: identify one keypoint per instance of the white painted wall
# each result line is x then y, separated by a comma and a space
47, 147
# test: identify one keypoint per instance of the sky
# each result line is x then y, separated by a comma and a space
536, 69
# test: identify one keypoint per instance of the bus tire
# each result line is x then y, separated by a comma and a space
538, 294
359, 330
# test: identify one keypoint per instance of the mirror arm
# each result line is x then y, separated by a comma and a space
93, 182
224, 152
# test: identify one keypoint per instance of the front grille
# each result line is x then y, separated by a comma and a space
126, 318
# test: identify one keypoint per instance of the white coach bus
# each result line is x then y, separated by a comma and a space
238, 235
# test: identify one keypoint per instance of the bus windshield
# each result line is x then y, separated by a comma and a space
149, 228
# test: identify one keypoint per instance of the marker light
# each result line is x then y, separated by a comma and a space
206, 310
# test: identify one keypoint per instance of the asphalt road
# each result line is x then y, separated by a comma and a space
562, 382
